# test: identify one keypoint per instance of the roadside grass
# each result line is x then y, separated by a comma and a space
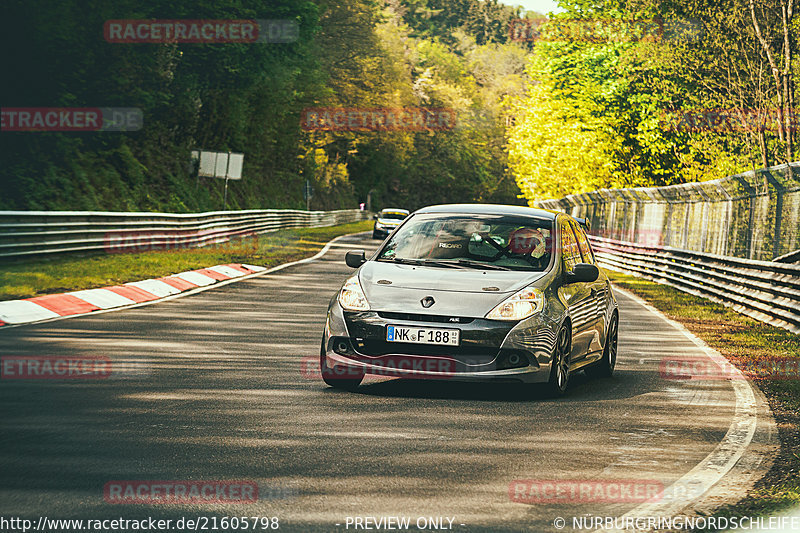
742, 340
23, 279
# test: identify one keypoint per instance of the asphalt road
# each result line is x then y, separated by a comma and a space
219, 386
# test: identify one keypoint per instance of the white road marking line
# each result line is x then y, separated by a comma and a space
730, 449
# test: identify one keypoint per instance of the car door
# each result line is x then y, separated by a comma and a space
598, 290
577, 296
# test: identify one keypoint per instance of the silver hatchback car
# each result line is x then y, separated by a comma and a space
474, 292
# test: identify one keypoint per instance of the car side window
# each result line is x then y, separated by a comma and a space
570, 252
583, 243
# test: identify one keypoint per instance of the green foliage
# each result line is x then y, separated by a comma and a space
249, 98
594, 113
486, 20
412, 169
572, 112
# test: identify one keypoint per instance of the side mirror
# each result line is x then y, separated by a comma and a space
375, 216
582, 273
355, 258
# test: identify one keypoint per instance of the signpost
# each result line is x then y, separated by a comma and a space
308, 192
223, 165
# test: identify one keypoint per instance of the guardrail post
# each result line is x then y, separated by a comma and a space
685, 237
666, 237
750, 228
704, 230
624, 233
779, 190
752, 192
726, 224
599, 222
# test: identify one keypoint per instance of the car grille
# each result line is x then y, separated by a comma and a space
474, 354
454, 320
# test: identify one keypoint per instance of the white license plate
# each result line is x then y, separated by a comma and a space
414, 335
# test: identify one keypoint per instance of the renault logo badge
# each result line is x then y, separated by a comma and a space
427, 302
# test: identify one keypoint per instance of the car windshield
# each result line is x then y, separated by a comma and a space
392, 215
473, 241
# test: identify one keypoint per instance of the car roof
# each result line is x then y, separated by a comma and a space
491, 209
394, 210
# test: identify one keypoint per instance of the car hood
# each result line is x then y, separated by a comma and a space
458, 292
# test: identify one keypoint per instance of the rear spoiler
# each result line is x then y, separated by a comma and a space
584, 222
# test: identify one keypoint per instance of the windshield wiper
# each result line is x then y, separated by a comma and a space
421, 262
446, 263
476, 264
402, 260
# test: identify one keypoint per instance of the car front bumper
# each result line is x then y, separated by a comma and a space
407, 367
488, 351
383, 230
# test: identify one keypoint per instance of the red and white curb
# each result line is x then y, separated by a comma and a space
136, 293
53, 306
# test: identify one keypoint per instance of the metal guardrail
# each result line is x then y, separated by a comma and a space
765, 290
38, 233
791, 257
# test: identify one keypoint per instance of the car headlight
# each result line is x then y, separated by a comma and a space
523, 304
351, 297
378, 225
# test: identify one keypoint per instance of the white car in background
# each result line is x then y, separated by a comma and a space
387, 221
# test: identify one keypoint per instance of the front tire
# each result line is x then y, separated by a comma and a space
559, 366
604, 368
344, 378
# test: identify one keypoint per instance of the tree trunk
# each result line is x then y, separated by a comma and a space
781, 78
762, 145
788, 98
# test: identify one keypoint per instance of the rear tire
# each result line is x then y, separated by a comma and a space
604, 368
559, 366
345, 378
